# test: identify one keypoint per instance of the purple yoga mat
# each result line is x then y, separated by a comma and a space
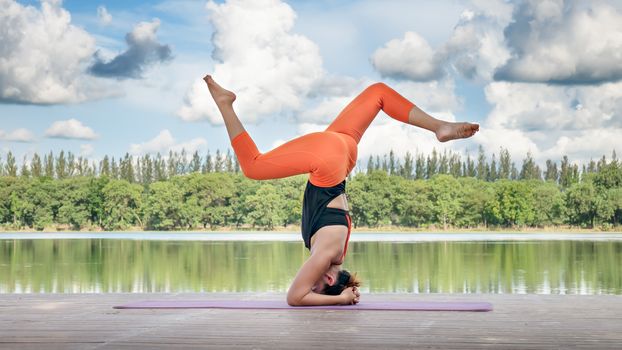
277, 304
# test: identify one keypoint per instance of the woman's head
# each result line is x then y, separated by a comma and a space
344, 280
335, 281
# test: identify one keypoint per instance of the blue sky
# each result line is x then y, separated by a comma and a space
542, 77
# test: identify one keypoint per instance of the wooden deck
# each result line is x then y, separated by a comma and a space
87, 321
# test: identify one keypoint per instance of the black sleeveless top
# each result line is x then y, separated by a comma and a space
314, 206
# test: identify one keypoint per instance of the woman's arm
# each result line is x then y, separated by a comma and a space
300, 293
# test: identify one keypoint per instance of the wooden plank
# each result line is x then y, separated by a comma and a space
87, 321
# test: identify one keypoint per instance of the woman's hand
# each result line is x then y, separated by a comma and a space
350, 296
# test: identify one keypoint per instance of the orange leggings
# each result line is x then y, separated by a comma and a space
330, 155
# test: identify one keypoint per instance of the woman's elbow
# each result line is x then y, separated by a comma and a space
293, 300
254, 173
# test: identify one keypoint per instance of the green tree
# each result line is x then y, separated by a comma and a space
159, 168
443, 164
445, 198
413, 205
469, 169
11, 165
370, 164
370, 199
432, 164
74, 204
492, 174
243, 188
482, 165
209, 195
61, 166
44, 196
581, 203
229, 162
171, 164
126, 169
609, 176
614, 195
104, 167
513, 205
195, 164
505, 164
164, 209
530, 171
147, 170
96, 199
548, 203
71, 164
420, 167
48, 165
114, 169
25, 171
551, 173
208, 165
122, 205
392, 164
407, 169
34, 203
477, 197
569, 173
293, 191
218, 162
266, 207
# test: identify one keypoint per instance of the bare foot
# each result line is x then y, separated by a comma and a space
451, 131
219, 94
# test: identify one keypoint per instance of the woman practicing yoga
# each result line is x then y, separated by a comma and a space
328, 157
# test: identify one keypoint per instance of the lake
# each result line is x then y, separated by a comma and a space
267, 262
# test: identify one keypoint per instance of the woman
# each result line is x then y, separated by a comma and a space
328, 157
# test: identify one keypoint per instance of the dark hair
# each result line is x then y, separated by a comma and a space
344, 280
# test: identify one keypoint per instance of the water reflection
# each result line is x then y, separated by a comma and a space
101, 265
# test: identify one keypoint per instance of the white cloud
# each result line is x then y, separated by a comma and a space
553, 120
70, 129
514, 140
580, 146
435, 97
564, 42
17, 135
475, 48
270, 68
408, 58
552, 107
165, 142
561, 42
588, 144
103, 15
191, 146
44, 56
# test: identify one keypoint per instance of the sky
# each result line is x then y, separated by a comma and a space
117, 77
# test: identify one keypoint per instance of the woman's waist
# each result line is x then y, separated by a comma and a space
339, 202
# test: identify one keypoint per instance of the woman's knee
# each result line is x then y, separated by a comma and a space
377, 88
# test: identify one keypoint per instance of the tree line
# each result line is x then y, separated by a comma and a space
182, 191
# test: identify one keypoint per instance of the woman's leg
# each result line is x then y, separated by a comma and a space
357, 116
298, 156
224, 100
